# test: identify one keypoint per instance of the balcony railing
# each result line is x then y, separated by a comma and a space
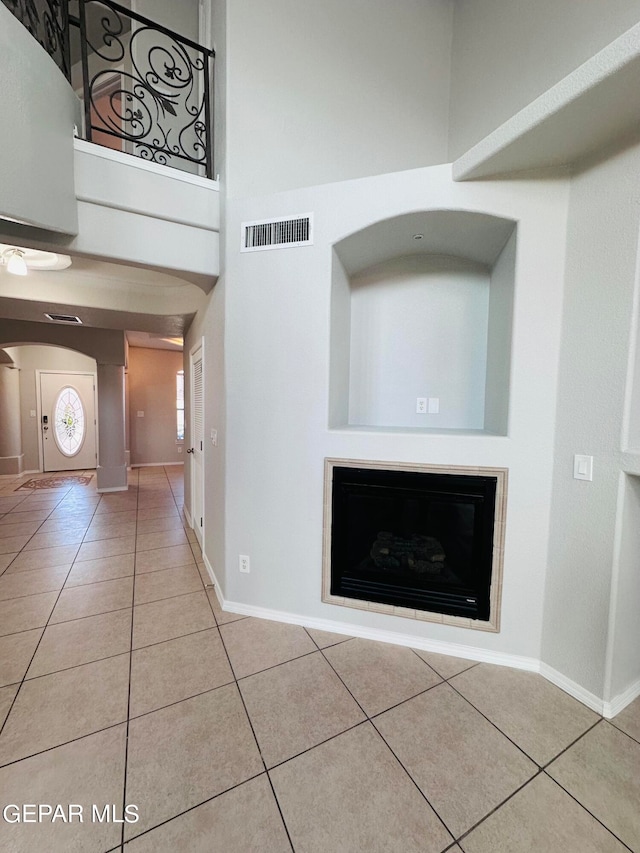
146, 90
47, 21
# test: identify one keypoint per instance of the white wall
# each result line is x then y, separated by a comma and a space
327, 91
278, 313
507, 52
38, 110
604, 218
32, 358
419, 329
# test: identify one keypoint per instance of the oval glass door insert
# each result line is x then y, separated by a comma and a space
69, 420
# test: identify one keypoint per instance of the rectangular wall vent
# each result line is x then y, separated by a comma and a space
277, 233
64, 318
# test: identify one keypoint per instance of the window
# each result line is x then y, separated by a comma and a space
180, 405
69, 421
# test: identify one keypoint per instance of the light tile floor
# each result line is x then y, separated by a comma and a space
123, 682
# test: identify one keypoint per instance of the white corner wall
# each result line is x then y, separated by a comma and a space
322, 92
585, 566
508, 52
277, 410
38, 109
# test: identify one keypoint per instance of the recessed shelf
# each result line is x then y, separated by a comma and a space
432, 322
586, 111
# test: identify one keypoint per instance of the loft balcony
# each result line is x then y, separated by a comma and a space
109, 155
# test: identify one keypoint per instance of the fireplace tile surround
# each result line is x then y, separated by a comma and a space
492, 624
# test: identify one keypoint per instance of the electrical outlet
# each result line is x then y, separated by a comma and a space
179, 450
244, 564
421, 405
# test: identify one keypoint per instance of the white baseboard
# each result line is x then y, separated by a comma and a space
113, 489
214, 580
187, 516
606, 709
382, 636
572, 688
620, 702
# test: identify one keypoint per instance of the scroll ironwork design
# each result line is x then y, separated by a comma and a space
47, 21
145, 85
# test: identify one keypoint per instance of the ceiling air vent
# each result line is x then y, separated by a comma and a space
277, 233
64, 318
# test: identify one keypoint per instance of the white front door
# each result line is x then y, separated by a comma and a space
67, 420
196, 449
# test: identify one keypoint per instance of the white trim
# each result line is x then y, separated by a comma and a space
620, 702
572, 688
113, 489
214, 580
187, 517
134, 162
198, 530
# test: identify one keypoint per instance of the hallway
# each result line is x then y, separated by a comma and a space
122, 681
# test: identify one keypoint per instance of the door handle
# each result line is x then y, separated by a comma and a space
190, 450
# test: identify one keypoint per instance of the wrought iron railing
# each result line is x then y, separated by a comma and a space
47, 21
146, 90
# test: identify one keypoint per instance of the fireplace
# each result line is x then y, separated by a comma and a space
415, 540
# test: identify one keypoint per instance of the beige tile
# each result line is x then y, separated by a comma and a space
181, 755
45, 558
54, 709
25, 528
91, 599
71, 536
170, 618
6, 560
149, 541
117, 503
23, 614
602, 771
462, 764
223, 617
87, 771
445, 665
257, 644
296, 706
177, 669
112, 519
155, 525
106, 548
541, 817
324, 639
11, 544
156, 512
16, 650
539, 717
103, 569
82, 641
152, 586
378, 674
22, 515
31, 583
164, 558
629, 720
56, 525
7, 695
110, 531
350, 794
244, 819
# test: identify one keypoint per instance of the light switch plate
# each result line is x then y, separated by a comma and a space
140, 414
582, 467
214, 437
433, 406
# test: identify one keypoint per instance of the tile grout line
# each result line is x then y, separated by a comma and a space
133, 598
46, 625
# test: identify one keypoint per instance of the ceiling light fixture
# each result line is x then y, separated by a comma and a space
19, 260
15, 261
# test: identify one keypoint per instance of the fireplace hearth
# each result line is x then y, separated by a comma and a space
415, 540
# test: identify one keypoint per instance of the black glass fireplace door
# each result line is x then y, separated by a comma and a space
417, 540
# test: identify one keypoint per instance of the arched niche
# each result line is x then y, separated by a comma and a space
425, 316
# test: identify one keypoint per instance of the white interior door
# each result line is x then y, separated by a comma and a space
196, 449
67, 420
